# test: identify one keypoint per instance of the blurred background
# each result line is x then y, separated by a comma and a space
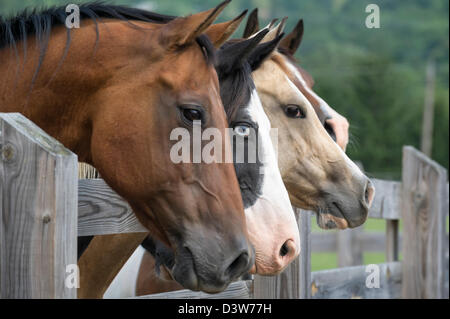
380, 79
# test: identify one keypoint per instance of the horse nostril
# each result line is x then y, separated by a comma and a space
288, 248
284, 250
238, 265
369, 193
287, 254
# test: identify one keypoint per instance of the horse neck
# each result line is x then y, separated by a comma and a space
62, 98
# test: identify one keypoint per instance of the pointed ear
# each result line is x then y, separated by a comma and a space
182, 31
276, 31
252, 24
234, 55
219, 33
292, 41
263, 51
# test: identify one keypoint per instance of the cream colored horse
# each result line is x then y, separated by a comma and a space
317, 173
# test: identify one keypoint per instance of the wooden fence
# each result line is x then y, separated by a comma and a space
43, 208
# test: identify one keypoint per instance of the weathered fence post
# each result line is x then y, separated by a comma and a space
38, 211
424, 206
349, 247
295, 281
304, 220
392, 240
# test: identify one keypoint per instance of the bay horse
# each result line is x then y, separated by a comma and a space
112, 91
266, 201
317, 173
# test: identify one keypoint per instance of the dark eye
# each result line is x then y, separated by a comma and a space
295, 112
191, 114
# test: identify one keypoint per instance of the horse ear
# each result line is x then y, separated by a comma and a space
276, 31
292, 41
235, 54
219, 33
269, 27
252, 24
182, 31
263, 51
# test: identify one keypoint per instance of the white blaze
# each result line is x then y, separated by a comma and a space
271, 220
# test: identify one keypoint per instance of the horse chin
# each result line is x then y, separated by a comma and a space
327, 220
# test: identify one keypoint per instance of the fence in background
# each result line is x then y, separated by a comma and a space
42, 212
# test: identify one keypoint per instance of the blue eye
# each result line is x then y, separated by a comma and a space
242, 130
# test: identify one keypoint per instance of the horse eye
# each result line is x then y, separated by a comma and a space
192, 115
295, 111
242, 130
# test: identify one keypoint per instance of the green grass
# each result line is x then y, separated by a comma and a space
375, 225
322, 261
373, 258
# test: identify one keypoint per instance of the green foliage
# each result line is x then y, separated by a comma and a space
374, 77
382, 106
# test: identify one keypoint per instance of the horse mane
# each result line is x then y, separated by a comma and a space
40, 23
287, 54
241, 86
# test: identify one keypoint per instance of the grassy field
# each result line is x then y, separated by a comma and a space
328, 260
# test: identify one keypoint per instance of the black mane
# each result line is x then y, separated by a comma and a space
236, 82
40, 23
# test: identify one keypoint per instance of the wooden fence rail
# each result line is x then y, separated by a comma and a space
42, 212
98, 202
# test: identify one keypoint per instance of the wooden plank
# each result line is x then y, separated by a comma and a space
392, 240
424, 210
374, 241
448, 199
324, 242
38, 209
304, 219
446, 290
236, 290
447, 243
102, 212
292, 282
387, 201
350, 282
327, 242
349, 248
344, 248
370, 242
